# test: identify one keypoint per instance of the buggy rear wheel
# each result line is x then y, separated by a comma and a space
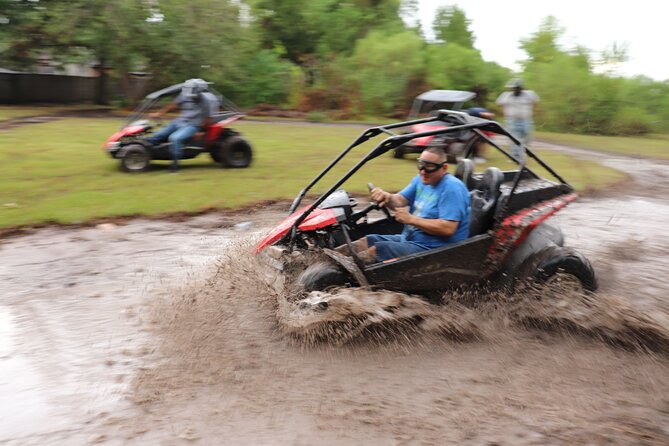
565, 267
136, 158
234, 152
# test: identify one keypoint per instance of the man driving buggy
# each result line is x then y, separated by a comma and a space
434, 209
197, 106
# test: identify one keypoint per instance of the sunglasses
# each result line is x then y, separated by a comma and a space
429, 166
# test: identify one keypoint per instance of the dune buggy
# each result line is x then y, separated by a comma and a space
429, 103
508, 239
225, 145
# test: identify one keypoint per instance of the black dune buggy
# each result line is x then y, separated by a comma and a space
429, 103
508, 239
224, 145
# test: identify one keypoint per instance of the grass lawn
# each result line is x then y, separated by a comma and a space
653, 146
57, 172
24, 111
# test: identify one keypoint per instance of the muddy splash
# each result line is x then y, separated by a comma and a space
245, 362
142, 334
340, 316
350, 314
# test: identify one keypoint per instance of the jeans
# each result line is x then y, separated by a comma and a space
521, 129
392, 246
177, 133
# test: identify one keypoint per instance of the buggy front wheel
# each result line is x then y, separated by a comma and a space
136, 158
321, 276
234, 152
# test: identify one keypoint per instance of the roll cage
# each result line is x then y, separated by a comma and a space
152, 98
459, 123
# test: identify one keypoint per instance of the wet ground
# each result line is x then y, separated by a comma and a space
160, 332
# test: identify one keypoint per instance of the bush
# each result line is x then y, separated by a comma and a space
383, 66
316, 116
631, 121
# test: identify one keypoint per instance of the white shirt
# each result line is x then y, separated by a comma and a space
518, 107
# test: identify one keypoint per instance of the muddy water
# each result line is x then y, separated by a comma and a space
151, 333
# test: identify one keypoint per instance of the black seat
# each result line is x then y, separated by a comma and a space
484, 201
464, 171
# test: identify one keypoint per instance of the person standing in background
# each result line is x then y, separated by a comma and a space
518, 105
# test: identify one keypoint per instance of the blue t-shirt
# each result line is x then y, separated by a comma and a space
448, 200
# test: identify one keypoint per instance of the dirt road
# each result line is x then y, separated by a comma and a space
159, 332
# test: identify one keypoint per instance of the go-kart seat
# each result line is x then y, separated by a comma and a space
464, 171
484, 201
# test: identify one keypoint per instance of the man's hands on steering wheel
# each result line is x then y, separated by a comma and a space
380, 199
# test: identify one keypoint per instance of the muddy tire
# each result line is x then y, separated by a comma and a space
136, 158
215, 155
321, 276
234, 152
215, 152
559, 263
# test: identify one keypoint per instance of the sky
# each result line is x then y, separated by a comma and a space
498, 26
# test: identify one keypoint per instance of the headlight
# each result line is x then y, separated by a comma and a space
113, 146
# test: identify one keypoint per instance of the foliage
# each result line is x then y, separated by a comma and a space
202, 38
346, 58
383, 66
542, 46
268, 80
452, 26
307, 28
67, 31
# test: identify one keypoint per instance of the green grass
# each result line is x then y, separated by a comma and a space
57, 172
653, 146
20, 111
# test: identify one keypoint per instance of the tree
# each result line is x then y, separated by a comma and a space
317, 27
206, 39
94, 30
452, 26
383, 66
542, 46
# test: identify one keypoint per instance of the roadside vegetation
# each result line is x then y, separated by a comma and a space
326, 58
27, 111
57, 172
650, 146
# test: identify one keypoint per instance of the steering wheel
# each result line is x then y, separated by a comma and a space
384, 209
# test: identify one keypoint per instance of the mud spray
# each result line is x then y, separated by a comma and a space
243, 360
252, 298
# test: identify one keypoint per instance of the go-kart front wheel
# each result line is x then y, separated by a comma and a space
321, 276
234, 151
136, 158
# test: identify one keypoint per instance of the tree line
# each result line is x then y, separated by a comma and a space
349, 59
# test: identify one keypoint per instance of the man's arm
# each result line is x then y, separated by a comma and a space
502, 98
432, 226
168, 108
392, 201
